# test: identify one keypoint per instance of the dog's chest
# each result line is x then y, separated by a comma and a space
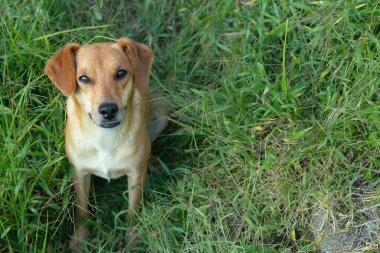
104, 155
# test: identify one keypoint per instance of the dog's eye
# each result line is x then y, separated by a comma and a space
121, 74
84, 79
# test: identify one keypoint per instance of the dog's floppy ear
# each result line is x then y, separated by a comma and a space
142, 57
61, 69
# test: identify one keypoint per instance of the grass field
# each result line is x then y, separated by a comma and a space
274, 121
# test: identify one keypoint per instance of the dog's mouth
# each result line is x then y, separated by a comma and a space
108, 125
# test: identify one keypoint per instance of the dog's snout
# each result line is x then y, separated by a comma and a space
108, 110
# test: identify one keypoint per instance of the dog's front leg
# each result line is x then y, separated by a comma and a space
135, 190
82, 184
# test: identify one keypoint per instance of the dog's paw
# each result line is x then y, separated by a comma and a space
132, 237
79, 238
76, 246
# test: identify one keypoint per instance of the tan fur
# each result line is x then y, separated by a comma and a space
107, 152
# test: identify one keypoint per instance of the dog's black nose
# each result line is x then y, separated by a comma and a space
108, 110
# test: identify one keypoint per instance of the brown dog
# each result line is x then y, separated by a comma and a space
110, 120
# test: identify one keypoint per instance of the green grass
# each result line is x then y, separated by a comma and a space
275, 114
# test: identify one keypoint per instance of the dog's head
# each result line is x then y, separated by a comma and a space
103, 77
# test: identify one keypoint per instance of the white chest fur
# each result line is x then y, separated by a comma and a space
107, 158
